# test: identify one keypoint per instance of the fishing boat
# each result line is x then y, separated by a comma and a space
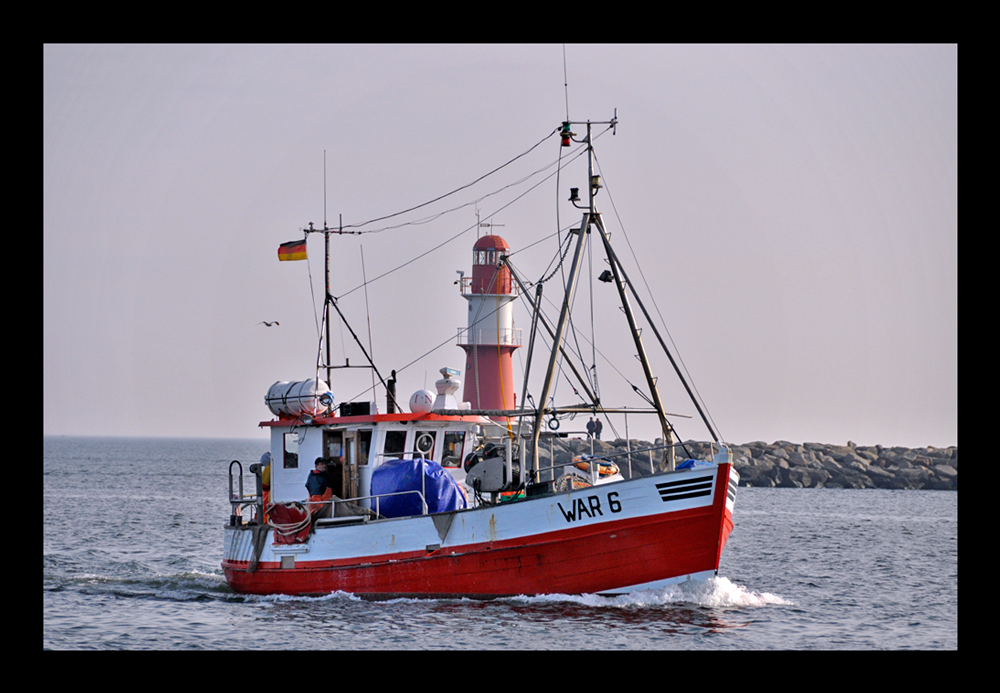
454, 497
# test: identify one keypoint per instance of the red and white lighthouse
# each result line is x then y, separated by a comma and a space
490, 337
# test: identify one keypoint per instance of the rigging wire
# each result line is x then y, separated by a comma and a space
476, 202
653, 299
312, 292
609, 362
561, 256
456, 190
592, 372
365, 282
574, 332
576, 154
562, 250
457, 235
427, 353
561, 365
599, 352
565, 82
368, 314
450, 340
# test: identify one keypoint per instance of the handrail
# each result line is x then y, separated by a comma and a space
423, 500
384, 456
239, 500
610, 455
235, 500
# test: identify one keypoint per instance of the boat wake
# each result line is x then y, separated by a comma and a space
721, 592
717, 592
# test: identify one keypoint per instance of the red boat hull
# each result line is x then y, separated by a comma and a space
603, 558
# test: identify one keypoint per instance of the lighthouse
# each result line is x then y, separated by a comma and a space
490, 337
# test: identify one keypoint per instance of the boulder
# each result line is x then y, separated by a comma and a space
784, 463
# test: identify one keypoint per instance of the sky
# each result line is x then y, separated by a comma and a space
790, 213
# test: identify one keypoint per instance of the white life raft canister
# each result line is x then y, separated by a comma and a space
310, 397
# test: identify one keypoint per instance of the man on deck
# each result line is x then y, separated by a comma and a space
320, 491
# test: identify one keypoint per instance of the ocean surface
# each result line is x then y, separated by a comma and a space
133, 544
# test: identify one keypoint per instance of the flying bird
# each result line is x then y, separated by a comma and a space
268, 324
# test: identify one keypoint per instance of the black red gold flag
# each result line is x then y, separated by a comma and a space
293, 250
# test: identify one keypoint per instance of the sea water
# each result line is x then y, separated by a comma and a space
132, 544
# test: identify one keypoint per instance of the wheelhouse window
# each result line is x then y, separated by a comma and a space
424, 444
395, 444
451, 456
364, 446
290, 459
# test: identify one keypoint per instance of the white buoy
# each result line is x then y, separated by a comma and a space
421, 401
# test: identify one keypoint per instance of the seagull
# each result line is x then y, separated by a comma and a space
268, 324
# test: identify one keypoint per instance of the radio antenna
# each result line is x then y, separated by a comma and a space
565, 82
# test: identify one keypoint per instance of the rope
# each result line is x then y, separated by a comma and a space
260, 532
292, 527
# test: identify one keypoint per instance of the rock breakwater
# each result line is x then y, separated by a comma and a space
785, 464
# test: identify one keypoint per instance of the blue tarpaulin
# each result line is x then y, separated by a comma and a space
691, 464
442, 491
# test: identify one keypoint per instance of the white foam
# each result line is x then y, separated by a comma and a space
715, 592
722, 592
718, 592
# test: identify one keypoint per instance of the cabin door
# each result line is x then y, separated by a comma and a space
340, 449
350, 459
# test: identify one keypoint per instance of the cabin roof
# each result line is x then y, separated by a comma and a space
429, 417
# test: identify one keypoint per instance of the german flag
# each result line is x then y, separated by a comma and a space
293, 250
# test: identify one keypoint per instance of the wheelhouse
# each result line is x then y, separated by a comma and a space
354, 446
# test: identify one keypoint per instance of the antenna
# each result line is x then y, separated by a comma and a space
565, 82
484, 224
364, 278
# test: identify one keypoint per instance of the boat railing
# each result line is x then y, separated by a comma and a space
593, 458
381, 458
376, 497
238, 499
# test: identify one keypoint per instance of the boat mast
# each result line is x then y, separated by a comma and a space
328, 301
326, 271
574, 274
593, 216
557, 342
621, 280
595, 185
